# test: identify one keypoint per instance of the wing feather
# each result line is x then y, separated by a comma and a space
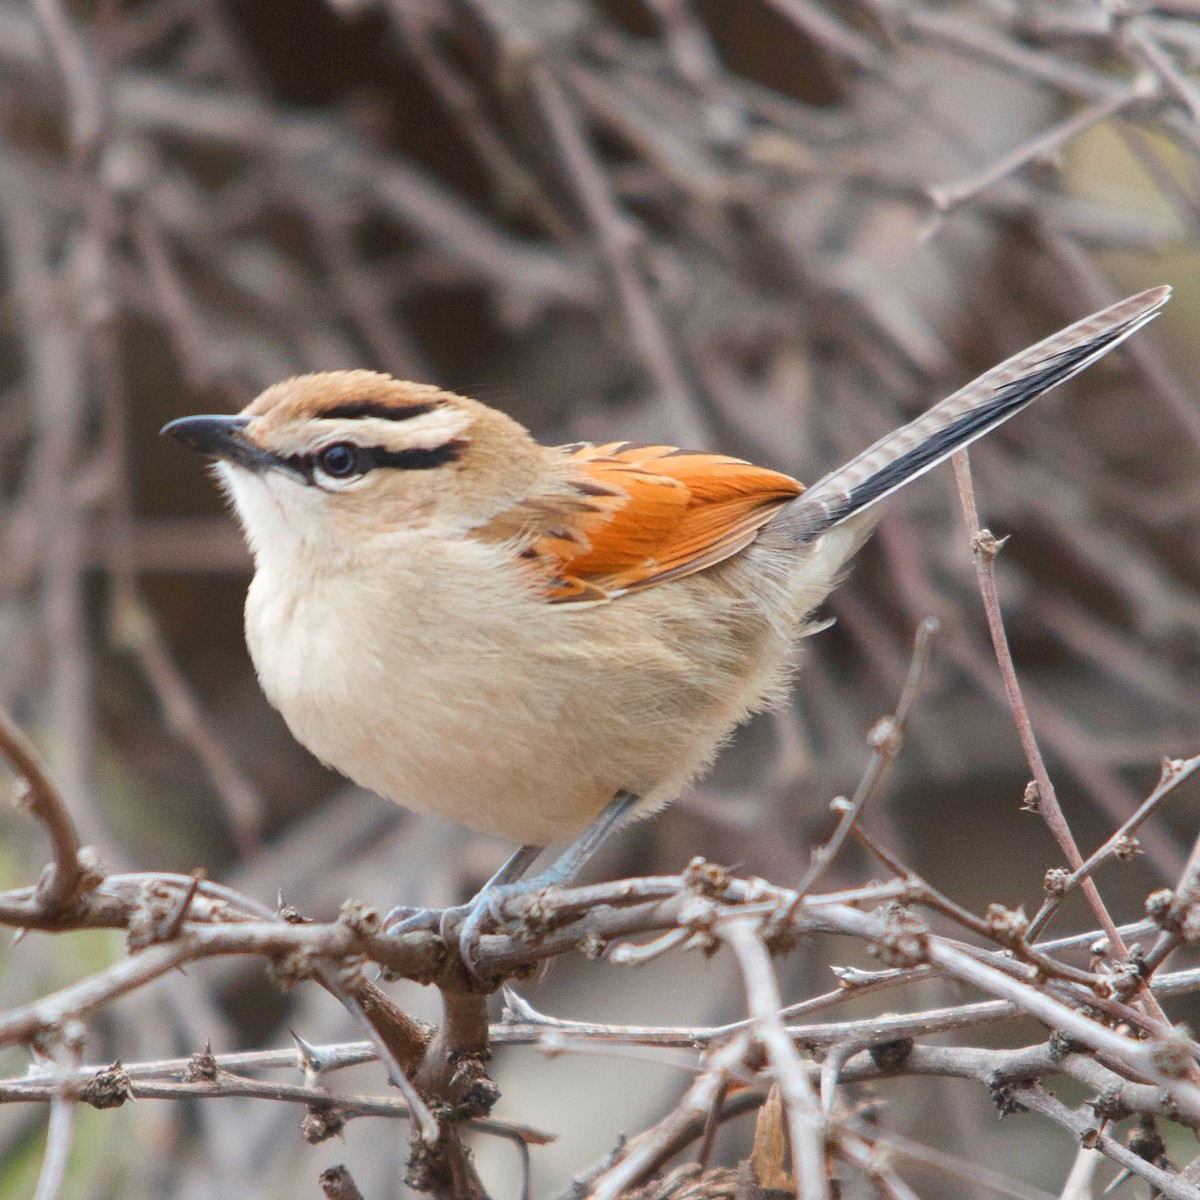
639, 515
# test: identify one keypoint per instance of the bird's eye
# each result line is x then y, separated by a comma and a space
341, 461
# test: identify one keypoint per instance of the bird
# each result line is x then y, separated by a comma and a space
544, 642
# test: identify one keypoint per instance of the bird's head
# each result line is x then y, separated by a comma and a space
324, 463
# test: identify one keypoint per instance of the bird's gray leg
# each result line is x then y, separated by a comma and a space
405, 920
490, 902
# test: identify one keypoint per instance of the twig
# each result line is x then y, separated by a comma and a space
806, 1123
187, 330
425, 1120
60, 1132
1055, 1015
834, 35
947, 196
875, 1167
1079, 1184
59, 890
85, 96
60, 1135
230, 1086
712, 1124
526, 1026
1138, 38
338, 1184
971, 1174
645, 1152
57, 379
1173, 773
616, 234
1003, 926
1168, 1183
984, 548
885, 739
976, 42
1144, 353
1059, 732
138, 633
516, 188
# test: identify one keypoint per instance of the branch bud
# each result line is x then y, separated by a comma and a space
1055, 881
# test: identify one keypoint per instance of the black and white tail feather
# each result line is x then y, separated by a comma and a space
968, 414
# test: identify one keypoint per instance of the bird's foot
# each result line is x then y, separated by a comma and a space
403, 919
463, 925
488, 901
487, 908
487, 911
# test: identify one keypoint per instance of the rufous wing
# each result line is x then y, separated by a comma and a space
646, 514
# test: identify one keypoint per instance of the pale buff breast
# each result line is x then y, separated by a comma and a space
446, 685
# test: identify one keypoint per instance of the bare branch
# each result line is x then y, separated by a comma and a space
806, 1123
885, 740
58, 892
1174, 772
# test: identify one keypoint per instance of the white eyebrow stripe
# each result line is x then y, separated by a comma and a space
430, 431
426, 432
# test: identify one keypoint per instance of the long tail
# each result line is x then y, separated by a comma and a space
958, 420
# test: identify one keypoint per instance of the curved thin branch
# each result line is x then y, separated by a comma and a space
58, 891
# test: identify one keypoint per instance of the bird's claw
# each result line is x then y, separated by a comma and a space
471, 919
465, 924
489, 904
403, 919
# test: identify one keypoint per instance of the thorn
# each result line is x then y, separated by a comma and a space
1120, 1179
987, 545
309, 1058
177, 918
202, 1066
18, 937
1169, 768
516, 1007
1031, 802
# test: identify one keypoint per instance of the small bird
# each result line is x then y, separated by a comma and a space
538, 641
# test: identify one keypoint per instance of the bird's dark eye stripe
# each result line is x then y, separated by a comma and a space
370, 457
357, 409
419, 460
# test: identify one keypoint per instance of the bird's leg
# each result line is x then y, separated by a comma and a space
490, 902
405, 920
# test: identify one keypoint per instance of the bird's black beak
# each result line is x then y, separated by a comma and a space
221, 437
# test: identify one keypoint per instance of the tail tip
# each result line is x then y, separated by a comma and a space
1152, 299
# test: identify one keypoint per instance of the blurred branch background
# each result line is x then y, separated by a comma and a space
776, 227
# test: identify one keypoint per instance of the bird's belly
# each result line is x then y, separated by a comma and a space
455, 743
511, 716
503, 725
